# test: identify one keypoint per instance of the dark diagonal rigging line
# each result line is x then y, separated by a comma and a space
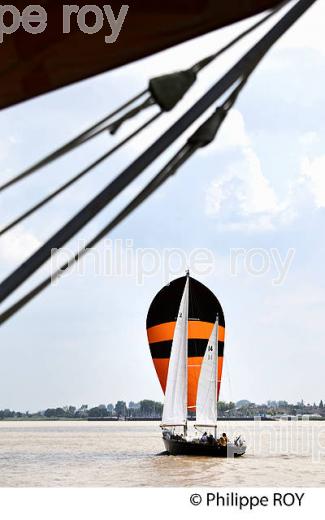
82, 138
77, 177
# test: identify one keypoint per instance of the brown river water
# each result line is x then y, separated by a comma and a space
124, 454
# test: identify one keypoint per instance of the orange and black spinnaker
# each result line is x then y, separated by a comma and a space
161, 321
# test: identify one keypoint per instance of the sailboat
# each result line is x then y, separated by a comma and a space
176, 397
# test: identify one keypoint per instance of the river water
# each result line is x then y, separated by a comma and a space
97, 454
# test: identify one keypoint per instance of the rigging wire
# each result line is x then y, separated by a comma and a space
242, 67
82, 138
165, 91
200, 65
77, 177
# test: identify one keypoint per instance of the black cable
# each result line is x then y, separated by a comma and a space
203, 136
71, 145
115, 125
200, 65
77, 177
22, 273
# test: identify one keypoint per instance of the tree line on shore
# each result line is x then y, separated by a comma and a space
153, 409
146, 408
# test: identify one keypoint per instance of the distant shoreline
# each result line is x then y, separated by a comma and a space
145, 419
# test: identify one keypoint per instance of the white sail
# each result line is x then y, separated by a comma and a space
206, 401
175, 406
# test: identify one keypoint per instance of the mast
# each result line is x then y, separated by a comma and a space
187, 273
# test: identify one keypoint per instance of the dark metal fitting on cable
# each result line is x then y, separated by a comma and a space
206, 133
168, 90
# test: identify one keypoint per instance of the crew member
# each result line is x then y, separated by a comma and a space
223, 440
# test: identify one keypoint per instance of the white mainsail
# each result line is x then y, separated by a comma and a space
175, 406
206, 401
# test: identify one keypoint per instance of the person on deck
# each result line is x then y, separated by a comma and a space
223, 441
204, 437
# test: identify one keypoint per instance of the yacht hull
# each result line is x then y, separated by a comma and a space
177, 447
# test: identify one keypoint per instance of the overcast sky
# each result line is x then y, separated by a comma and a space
259, 188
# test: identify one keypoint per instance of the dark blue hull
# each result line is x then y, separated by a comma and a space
180, 447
